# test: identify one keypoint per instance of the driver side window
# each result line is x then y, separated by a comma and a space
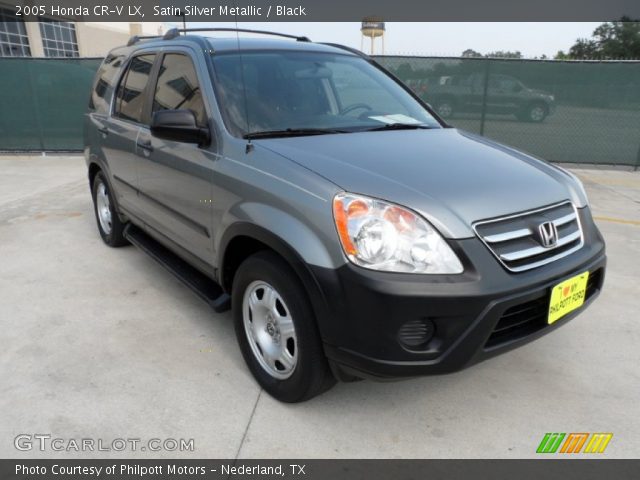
178, 87
502, 84
508, 84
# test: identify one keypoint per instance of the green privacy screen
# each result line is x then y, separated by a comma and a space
42, 102
581, 112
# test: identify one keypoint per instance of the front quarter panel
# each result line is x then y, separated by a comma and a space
264, 189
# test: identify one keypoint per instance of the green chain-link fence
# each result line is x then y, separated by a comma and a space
42, 102
582, 112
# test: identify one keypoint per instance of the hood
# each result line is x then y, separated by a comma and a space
541, 93
452, 178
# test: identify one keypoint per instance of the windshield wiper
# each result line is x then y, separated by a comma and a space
293, 132
397, 126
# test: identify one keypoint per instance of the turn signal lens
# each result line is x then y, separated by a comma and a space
381, 236
340, 216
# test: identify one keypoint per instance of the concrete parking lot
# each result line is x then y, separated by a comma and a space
103, 343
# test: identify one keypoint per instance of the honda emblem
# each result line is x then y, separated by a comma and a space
548, 234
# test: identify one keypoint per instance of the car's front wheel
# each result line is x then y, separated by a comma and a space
109, 224
276, 330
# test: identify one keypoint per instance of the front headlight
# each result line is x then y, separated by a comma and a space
381, 236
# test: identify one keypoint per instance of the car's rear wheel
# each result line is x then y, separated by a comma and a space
445, 108
536, 113
276, 330
109, 224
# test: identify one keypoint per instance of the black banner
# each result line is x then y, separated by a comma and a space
324, 11
547, 469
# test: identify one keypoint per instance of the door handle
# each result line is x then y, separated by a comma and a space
104, 131
145, 145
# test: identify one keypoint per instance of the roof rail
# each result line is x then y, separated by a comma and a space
175, 32
136, 38
355, 51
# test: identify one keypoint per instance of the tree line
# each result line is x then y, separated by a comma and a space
618, 40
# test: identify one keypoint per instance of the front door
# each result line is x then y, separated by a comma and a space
176, 179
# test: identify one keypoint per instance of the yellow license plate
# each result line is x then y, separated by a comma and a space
567, 296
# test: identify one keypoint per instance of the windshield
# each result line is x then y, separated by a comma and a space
309, 92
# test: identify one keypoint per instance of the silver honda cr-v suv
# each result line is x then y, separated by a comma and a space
353, 232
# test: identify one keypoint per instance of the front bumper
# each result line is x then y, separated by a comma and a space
552, 108
476, 315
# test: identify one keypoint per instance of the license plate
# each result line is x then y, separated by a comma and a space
567, 296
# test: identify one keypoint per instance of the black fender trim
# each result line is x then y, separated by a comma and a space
286, 251
102, 165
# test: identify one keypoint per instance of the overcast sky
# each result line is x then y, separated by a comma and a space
532, 39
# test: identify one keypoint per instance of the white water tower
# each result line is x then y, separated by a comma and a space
372, 27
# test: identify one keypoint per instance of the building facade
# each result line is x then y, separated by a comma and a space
46, 37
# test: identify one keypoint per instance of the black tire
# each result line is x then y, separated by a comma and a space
445, 108
311, 375
113, 237
535, 113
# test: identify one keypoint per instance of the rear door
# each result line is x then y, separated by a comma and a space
502, 95
120, 132
100, 102
176, 179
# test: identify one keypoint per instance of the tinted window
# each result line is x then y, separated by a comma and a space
130, 98
266, 91
106, 75
502, 83
178, 87
462, 81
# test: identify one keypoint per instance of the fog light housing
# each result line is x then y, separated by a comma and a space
415, 334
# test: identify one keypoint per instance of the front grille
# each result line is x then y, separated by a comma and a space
526, 318
516, 242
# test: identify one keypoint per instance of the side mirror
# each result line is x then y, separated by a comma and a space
179, 126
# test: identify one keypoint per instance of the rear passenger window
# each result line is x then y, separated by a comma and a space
178, 87
103, 88
130, 98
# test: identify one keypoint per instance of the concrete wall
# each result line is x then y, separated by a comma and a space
35, 39
95, 39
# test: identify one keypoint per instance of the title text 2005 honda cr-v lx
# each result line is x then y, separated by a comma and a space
353, 233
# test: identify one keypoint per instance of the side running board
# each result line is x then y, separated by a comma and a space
202, 285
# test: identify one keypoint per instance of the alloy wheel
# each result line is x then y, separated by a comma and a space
103, 207
270, 330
